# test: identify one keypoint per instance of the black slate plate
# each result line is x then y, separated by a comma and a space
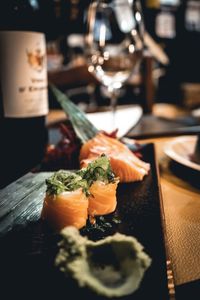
28, 246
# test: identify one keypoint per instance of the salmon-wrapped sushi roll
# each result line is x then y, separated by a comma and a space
102, 186
65, 202
102, 200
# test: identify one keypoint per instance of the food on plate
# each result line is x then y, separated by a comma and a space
127, 166
102, 199
124, 163
71, 196
112, 267
102, 185
66, 201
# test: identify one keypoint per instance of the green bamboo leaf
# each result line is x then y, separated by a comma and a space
84, 129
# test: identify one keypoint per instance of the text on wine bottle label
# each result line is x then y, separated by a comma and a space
23, 74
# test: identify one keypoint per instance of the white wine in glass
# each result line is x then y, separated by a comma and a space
114, 43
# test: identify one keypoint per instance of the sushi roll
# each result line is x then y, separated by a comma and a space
102, 185
66, 201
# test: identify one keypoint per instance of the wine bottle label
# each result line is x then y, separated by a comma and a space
192, 16
23, 74
172, 3
165, 25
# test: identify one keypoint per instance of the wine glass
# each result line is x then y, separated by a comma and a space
114, 43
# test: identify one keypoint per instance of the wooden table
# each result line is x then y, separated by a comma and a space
181, 203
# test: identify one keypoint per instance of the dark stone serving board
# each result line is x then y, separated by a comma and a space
28, 246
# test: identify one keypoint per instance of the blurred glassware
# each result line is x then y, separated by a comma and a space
114, 43
75, 43
54, 57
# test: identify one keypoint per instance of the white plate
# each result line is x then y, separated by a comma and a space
181, 149
125, 119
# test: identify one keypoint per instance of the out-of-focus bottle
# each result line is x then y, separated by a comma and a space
189, 41
23, 88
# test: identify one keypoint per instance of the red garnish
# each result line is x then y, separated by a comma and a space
112, 134
63, 155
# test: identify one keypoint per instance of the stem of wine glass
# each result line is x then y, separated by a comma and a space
113, 105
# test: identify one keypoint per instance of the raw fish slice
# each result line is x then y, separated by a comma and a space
127, 166
65, 209
102, 200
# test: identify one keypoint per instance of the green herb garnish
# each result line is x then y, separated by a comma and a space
98, 169
63, 181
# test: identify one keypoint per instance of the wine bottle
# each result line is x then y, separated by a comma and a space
189, 41
23, 89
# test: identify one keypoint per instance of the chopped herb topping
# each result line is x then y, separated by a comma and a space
98, 169
63, 181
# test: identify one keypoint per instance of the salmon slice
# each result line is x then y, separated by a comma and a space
65, 209
102, 200
124, 163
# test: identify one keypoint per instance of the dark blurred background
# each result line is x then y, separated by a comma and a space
173, 24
